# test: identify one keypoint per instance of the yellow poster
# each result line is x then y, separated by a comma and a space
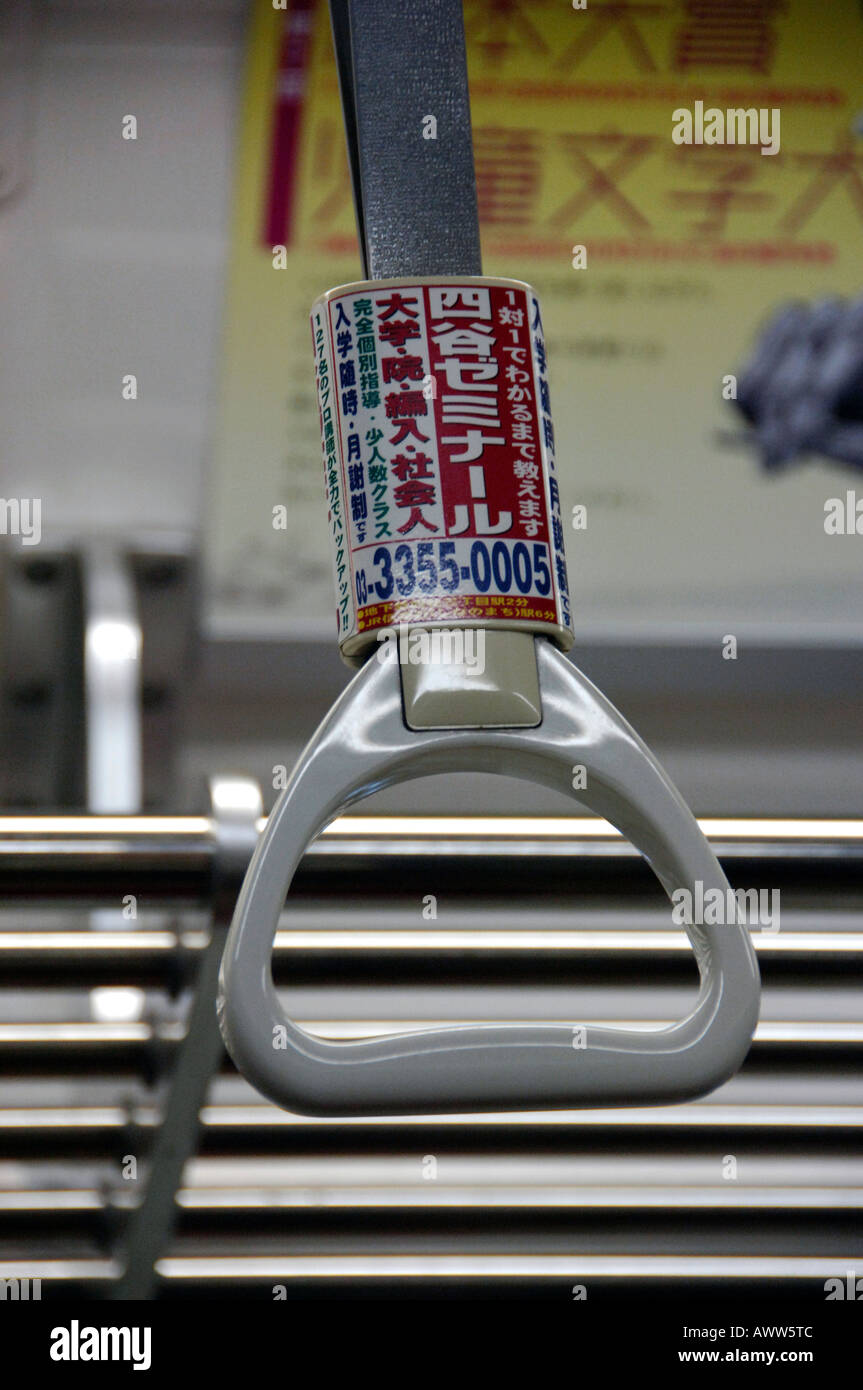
657, 261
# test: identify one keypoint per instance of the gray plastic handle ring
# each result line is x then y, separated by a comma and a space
364, 745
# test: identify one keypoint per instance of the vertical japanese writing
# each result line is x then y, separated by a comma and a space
520, 394
346, 351
414, 468
326, 387
468, 384
547, 437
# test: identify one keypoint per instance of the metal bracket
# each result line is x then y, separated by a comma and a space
95, 641
498, 688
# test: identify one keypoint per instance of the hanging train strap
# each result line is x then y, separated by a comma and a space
452, 598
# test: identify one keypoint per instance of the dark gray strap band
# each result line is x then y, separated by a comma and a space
400, 62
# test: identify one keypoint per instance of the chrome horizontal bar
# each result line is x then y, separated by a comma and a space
503, 1265
77, 946
262, 1114
433, 1265
526, 1198
694, 1117
174, 857
476, 1198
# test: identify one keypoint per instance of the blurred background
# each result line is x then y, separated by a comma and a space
174, 193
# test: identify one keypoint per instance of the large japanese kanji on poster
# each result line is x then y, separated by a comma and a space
689, 250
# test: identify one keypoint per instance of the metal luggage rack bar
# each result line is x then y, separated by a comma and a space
54, 860
92, 856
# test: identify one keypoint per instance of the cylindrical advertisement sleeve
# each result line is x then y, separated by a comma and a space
438, 446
